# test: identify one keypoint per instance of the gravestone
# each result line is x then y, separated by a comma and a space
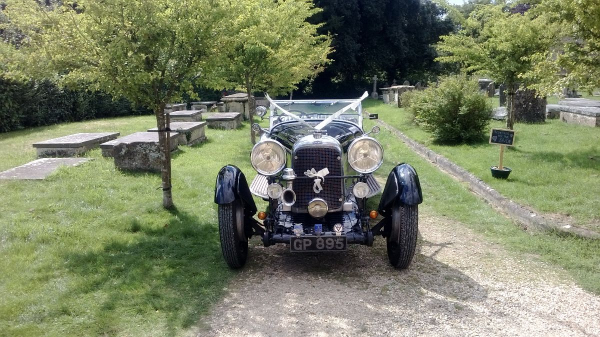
190, 133
174, 107
499, 113
406, 83
203, 105
39, 169
374, 94
186, 116
419, 86
138, 137
483, 84
72, 145
580, 111
223, 120
491, 90
140, 151
528, 107
502, 94
237, 103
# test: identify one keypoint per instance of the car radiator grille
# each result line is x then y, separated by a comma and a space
318, 158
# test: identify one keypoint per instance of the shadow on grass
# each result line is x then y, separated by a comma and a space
167, 275
587, 158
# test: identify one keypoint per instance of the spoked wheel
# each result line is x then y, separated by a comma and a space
402, 241
234, 242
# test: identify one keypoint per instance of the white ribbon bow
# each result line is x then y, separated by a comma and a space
320, 176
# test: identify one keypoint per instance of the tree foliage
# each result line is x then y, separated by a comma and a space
575, 59
497, 43
270, 46
147, 51
389, 38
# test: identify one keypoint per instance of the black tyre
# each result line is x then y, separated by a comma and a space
234, 243
402, 241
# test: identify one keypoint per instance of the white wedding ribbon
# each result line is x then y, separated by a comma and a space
319, 177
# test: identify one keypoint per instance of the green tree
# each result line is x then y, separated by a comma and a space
148, 51
574, 61
496, 43
270, 46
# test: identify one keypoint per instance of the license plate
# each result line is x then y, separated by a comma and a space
317, 243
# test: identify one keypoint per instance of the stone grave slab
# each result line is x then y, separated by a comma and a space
140, 151
39, 169
139, 137
190, 133
186, 116
223, 120
72, 145
580, 111
203, 105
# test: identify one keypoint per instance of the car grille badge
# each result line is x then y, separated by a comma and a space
318, 228
338, 228
319, 178
298, 230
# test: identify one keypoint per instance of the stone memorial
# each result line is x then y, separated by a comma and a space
419, 86
502, 94
499, 113
186, 116
406, 83
203, 105
72, 145
138, 137
491, 90
374, 94
580, 111
528, 107
190, 133
237, 103
140, 151
391, 95
483, 84
39, 169
223, 120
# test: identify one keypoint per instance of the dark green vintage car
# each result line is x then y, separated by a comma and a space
315, 167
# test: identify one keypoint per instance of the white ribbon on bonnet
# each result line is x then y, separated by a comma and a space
320, 176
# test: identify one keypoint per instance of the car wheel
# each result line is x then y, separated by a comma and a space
234, 243
402, 241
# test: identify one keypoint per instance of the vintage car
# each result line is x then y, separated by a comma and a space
315, 167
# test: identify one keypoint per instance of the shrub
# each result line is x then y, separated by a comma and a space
454, 111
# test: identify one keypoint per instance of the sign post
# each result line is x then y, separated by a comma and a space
502, 137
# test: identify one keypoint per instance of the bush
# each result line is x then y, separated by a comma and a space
31, 104
454, 111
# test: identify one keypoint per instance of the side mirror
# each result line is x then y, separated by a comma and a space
375, 130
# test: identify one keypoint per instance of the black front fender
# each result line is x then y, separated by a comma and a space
231, 184
402, 185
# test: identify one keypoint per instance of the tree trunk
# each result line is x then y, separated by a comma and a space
164, 140
251, 107
510, 119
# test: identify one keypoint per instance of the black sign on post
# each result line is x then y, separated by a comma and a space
502, 137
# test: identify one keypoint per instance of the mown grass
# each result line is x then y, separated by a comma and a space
556, 166
444, 197
91, 252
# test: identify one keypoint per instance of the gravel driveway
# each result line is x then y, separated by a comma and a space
459, 284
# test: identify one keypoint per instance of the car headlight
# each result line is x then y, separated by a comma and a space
365, 155
268, 157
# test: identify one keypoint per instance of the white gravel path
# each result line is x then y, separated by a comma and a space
459, 284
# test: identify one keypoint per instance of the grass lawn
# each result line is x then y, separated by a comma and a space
91, 252
556, 166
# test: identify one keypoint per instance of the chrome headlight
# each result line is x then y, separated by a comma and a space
365, 155
268, 157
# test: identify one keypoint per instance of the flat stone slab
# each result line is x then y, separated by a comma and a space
581, 102
237, 97
138, 137
72, 145
190, 133
186, 116
223, 120
39, 169
587, 115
